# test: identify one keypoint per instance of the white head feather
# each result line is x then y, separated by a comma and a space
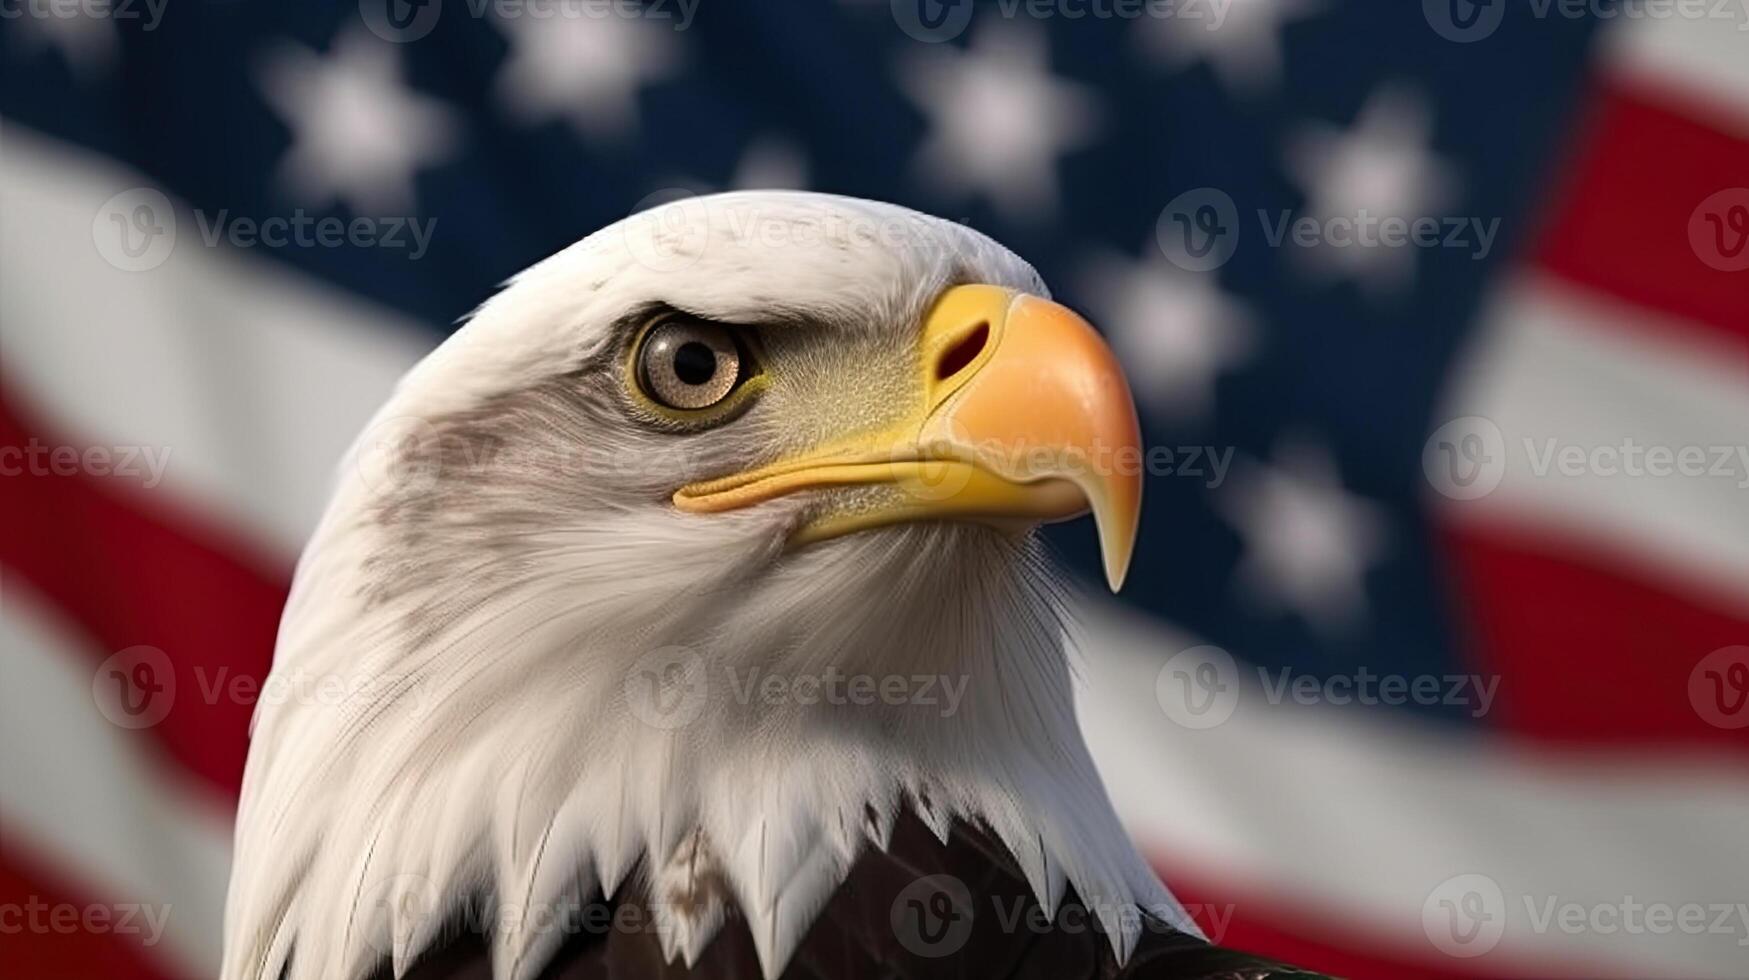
486, 584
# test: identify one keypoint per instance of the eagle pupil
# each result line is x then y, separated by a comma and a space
695, 363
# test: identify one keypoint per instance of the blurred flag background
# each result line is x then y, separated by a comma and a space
1435, 655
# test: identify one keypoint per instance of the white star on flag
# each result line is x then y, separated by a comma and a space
358, 133
1381, 167
1308, 542
1176, 330
587, 70
771, 161
1240, 39
998, 118
86, 39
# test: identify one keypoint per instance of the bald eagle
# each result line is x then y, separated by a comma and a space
682, 615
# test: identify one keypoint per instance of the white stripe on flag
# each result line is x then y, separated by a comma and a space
1705, 59
253, 377
1567, 379
1364, 818
83, 796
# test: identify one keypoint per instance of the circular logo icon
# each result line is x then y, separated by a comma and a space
1199, 687
1718, 688
1465, 459
666, 687
1718, 230
933, 915
135, 230
932, 21
406, 902
668, 230
135, 688
1199, 229
1465, 916
1464, 21
400, 21
399, 454
928, 472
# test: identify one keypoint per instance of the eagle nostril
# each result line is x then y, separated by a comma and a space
962, 353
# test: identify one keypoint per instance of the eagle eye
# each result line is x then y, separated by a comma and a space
688, 364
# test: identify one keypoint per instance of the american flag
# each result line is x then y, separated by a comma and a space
1435, 654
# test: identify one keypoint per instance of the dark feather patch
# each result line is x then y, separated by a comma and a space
858, 936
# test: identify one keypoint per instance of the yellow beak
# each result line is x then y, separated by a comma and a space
1026, 418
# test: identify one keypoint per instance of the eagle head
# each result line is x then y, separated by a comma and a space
703, 550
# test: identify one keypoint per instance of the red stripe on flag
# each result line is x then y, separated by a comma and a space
54, 935
1298, 933
1628, 217
1587, 652
131, 570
